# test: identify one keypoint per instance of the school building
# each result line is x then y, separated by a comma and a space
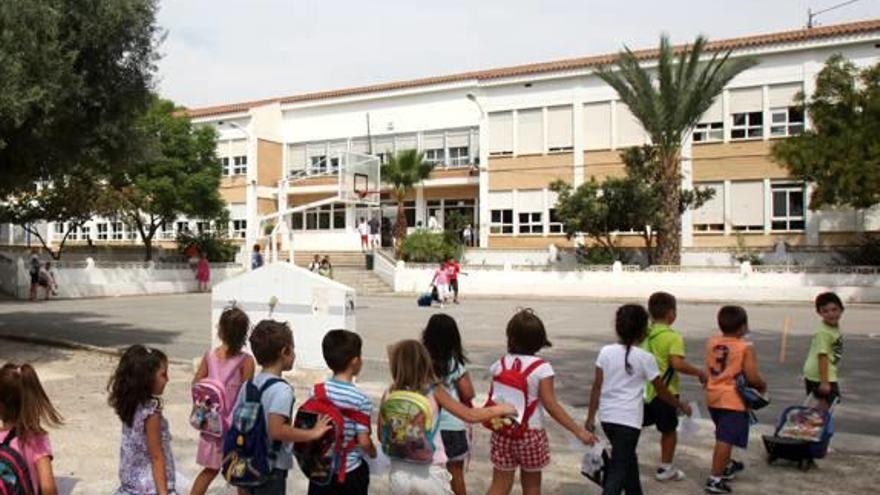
499, 137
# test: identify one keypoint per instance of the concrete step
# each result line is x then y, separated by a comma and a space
363, 281
337, 258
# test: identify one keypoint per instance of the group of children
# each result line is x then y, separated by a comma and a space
636, 383
444, 282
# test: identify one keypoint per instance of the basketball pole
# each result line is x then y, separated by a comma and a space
786, 327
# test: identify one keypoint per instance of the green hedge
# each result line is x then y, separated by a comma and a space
427, 247
217, 248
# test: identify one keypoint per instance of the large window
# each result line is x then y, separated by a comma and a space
502, 222
556, 226
458, 156
102, 231
85, 232
531, 222
788, 207
224, 163
116, 231
708, 132
326, 217
239, 165
239, 229
203, 227
747, 125
318, 164
182, 227
435, 156
787, 121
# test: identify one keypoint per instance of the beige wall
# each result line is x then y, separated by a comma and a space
266, 206
456, 192
735, 161
826, 239
233, 194
529, 172
439, 173
603, 164
269, 162
527, 242
301, 199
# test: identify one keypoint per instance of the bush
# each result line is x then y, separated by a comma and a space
595, 255
865, 253
216, 247
427, 247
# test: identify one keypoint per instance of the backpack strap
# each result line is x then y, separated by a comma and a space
532, 405
276, 445
9, 437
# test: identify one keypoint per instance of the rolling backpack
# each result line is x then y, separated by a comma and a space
211, 405
408, 428
15, 478
246, 446
322, 459
513, 380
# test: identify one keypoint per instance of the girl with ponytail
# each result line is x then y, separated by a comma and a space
25, 410
622, 369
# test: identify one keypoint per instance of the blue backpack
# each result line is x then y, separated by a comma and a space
246, 447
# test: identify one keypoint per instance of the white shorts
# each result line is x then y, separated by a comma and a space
442, 291
419, 479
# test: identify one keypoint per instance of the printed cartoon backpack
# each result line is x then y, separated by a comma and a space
513, 380
211, 405
246, 447
408, 430
14, 476
321, 459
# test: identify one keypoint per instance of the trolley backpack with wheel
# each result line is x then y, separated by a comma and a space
425, 300
802, 435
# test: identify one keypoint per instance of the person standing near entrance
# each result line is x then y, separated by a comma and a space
375, 233
364, 231
467, 236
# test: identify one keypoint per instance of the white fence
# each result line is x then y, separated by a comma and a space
743, 283
103, 279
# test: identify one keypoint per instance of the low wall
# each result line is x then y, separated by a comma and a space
758, 284
90, 279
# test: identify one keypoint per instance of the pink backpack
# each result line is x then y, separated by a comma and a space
211, 404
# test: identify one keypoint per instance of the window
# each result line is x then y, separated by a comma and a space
182, 227
72, 233
165, 231
531, 223
435, 156
239, 165
709, 132
224, 162
203, 227
459, 156
501, 133
559, 129
556, 226
788, 207
326, 217
116, 231
788, 121
318, 164
747, 125
85, 232
710, 216
102, 231
59, 228
502, 222
746, 206
131, 233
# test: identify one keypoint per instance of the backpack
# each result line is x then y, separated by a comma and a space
246, 446
15, 478
325, 457
753, 399
210, 410
517, 379
408, 429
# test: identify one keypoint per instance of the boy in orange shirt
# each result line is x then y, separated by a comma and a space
727, 356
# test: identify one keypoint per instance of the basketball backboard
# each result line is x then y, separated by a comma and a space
359, 180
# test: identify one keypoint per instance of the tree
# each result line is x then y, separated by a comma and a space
632, 203
840, 153
70, 198
669, 101
176, 172
73, 77
402, 172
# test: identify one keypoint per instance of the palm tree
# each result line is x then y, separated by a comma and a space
402, 172
669, 101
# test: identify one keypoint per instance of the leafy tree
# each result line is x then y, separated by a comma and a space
176, 172
70, 198
622, 204
669, 101
430, 247
840, 154
74, 75
402, 172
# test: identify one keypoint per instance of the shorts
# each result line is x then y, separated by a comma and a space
660, 413
455, 443
731, 427
453, 286
529, 453
813, 388
357, 482
35, 278
419, 479
363, 239
276, 485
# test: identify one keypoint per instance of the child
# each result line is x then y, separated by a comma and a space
315, 265
47, 280
411, 370
622, 370
667, 346
531, 453
227, 361
826, 349
727, 356
443, 342
342, 353
326, 269
452, 271
24, 410
146, 465
441, 283
203, 273
364, 230
272, 345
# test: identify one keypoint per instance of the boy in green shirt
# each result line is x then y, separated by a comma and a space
667, 346
826, 349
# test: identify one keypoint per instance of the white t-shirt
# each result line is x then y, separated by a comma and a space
536, 422
622, 398
363, 228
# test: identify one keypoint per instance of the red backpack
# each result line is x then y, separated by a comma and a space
325, 457
515, 378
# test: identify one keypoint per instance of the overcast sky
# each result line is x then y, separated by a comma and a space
225, 51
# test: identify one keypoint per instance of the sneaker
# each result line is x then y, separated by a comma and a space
732, 468
719, 486
669, 474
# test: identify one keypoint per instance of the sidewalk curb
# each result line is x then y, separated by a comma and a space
77, 346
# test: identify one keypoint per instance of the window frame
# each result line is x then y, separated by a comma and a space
239, 228
750, 130
788, 222
706, 132
239, 165
459, 156
225, 168
431, 156
312, 219
554, 226
501, 226
533, 223
103, 231
788, 126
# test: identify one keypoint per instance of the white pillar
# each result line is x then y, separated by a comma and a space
728, 225
765, 109
687, 183
811, 220
514, 195
577, 129
768, 207
252, 213
613, 124
545, 212
725, 114
421, 206
483, 199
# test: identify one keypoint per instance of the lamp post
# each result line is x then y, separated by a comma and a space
483, 169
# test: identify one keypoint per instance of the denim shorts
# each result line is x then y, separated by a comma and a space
731, 427
455, 442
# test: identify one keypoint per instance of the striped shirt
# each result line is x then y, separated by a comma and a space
345, 395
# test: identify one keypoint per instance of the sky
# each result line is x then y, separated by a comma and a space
226, 51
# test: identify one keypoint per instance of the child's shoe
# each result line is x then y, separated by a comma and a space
717, 486
732, 468
670, 473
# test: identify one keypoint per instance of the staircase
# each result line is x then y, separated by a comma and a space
349, 268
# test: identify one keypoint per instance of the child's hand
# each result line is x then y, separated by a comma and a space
506, 409
704, 378
321, 426
685, 408
585, 436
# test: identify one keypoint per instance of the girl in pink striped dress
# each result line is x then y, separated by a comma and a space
230, 364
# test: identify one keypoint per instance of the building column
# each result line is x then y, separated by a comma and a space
577, 130
252, 215
765, 111
421, 206
728, 219
687, 184
484, 215
811, 220
725, 115
768, 207
613, 124
515, 204
545, 213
